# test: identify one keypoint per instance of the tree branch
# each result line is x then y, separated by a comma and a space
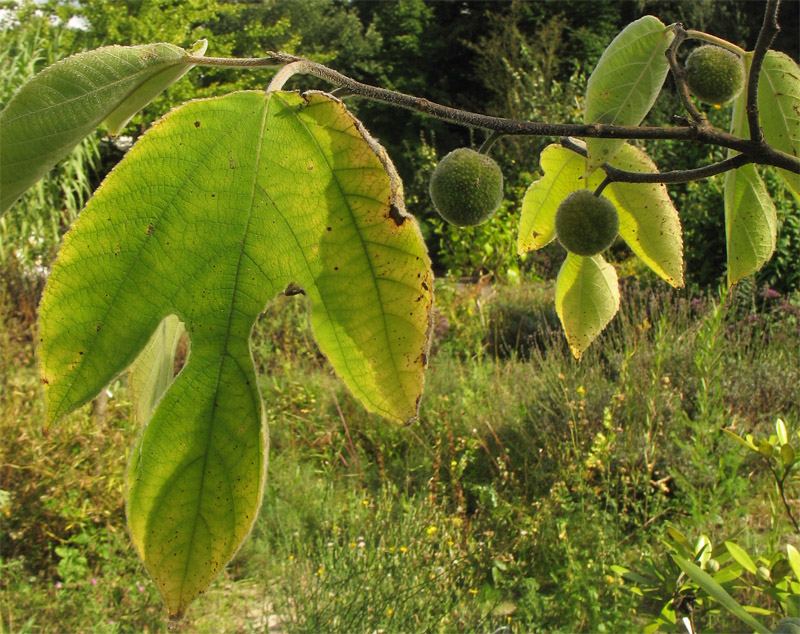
757, 152
769, 29
616, 175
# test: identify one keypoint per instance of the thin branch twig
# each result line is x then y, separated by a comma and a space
712, 39
769, 29
757, 152
679, 74
780, 484
616, 175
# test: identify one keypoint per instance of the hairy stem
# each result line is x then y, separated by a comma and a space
616, 175
697, 116
284, 74
713, 39
489, 142
606, 182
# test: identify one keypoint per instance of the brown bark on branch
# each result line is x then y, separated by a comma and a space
753, 150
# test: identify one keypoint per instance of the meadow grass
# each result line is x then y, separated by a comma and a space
527, 476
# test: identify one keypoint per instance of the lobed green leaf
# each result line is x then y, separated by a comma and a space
49, 115
587, 297
626, 82
221, 205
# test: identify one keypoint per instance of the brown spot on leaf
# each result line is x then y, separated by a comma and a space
196, 124
396, 216
293, 289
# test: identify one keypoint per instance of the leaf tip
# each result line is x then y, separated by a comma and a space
199, 48
175, 619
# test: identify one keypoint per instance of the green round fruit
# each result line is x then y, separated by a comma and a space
586, 224
715, 75
466, 187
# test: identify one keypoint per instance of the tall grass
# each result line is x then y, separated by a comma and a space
526, 478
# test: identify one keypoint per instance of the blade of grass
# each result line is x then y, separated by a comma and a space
719, 593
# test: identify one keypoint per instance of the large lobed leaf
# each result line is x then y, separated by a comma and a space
49, 115
625, 83
221, 205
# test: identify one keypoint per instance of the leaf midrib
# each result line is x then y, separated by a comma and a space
224, 350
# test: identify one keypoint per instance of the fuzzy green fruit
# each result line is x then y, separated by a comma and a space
466, 187
714, 74
586, 224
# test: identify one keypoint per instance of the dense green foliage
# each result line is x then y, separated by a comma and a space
526, 478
